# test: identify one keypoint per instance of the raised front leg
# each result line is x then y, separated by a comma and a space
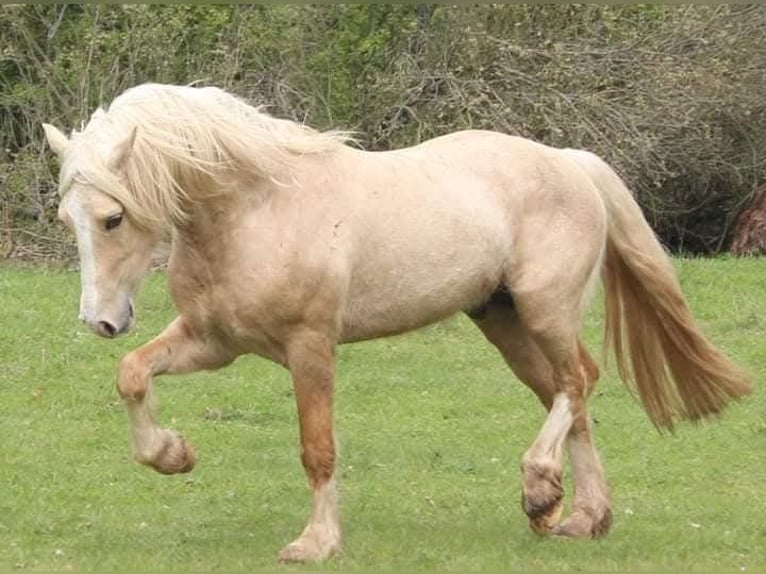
175, 350
312, 364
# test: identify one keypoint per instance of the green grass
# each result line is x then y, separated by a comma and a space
431, 426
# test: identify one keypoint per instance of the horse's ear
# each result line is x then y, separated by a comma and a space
122, 151
56, 139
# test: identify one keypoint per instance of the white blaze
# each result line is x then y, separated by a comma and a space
84, 233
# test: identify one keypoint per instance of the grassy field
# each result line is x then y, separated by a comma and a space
431, 425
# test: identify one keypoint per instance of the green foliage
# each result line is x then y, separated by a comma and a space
669, 95
431, 427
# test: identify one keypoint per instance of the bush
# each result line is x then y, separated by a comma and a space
671, 96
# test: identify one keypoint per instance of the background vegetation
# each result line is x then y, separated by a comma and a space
431, 426
672, 96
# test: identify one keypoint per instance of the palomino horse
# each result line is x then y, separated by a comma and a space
286, 242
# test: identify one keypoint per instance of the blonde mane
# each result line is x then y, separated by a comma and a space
189, 142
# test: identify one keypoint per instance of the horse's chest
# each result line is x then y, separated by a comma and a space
194, 297
230, 313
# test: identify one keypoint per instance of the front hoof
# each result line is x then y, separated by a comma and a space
307, 549
176, 456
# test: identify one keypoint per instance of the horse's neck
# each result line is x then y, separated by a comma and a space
210, 221
198, 233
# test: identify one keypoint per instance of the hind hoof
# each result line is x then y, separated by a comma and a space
543, 494
585, 523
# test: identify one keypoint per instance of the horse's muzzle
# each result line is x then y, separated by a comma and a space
110, 329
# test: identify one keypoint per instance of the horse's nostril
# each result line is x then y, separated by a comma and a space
108, 329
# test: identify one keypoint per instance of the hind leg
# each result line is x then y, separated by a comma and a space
542, 497
542, 467
549, 306
591, 510
591, 514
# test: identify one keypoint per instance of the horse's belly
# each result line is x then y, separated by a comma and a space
410, 286
383, 311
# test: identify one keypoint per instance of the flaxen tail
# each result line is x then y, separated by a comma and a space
659, 349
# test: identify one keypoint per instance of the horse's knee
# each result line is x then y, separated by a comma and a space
132, 378
318, 461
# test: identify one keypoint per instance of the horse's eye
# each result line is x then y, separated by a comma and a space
113, 221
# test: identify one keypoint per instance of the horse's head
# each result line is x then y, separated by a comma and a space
114, 250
